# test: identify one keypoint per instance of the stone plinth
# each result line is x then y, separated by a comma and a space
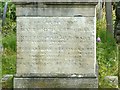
56, 44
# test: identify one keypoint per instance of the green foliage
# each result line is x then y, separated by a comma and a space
11, 10
10, 21
10, 26
9, 42
106, 55
119, 63
8, 62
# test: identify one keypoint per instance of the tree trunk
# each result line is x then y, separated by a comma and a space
99, 10
108, 8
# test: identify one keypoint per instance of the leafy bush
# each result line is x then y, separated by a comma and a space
10, 20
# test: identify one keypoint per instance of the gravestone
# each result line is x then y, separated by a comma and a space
56, 44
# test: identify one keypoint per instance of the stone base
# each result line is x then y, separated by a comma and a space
55, 82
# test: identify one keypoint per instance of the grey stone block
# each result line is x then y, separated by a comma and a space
55, 83
56, 45
112, 79
73, 1
56, 11
6, 77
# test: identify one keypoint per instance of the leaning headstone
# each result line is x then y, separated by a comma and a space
7, 81
113, 80
6, 77
56, 44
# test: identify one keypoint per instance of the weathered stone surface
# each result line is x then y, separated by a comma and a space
55, 83
6, 77
7, 81
56, 45
56, 10
77, 1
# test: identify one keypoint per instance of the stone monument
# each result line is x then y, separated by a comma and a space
56, 44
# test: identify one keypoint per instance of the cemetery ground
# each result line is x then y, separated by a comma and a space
106, 54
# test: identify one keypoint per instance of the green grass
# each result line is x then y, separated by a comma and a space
106, 55
9, 54
119, 64
9, 63
9, 58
